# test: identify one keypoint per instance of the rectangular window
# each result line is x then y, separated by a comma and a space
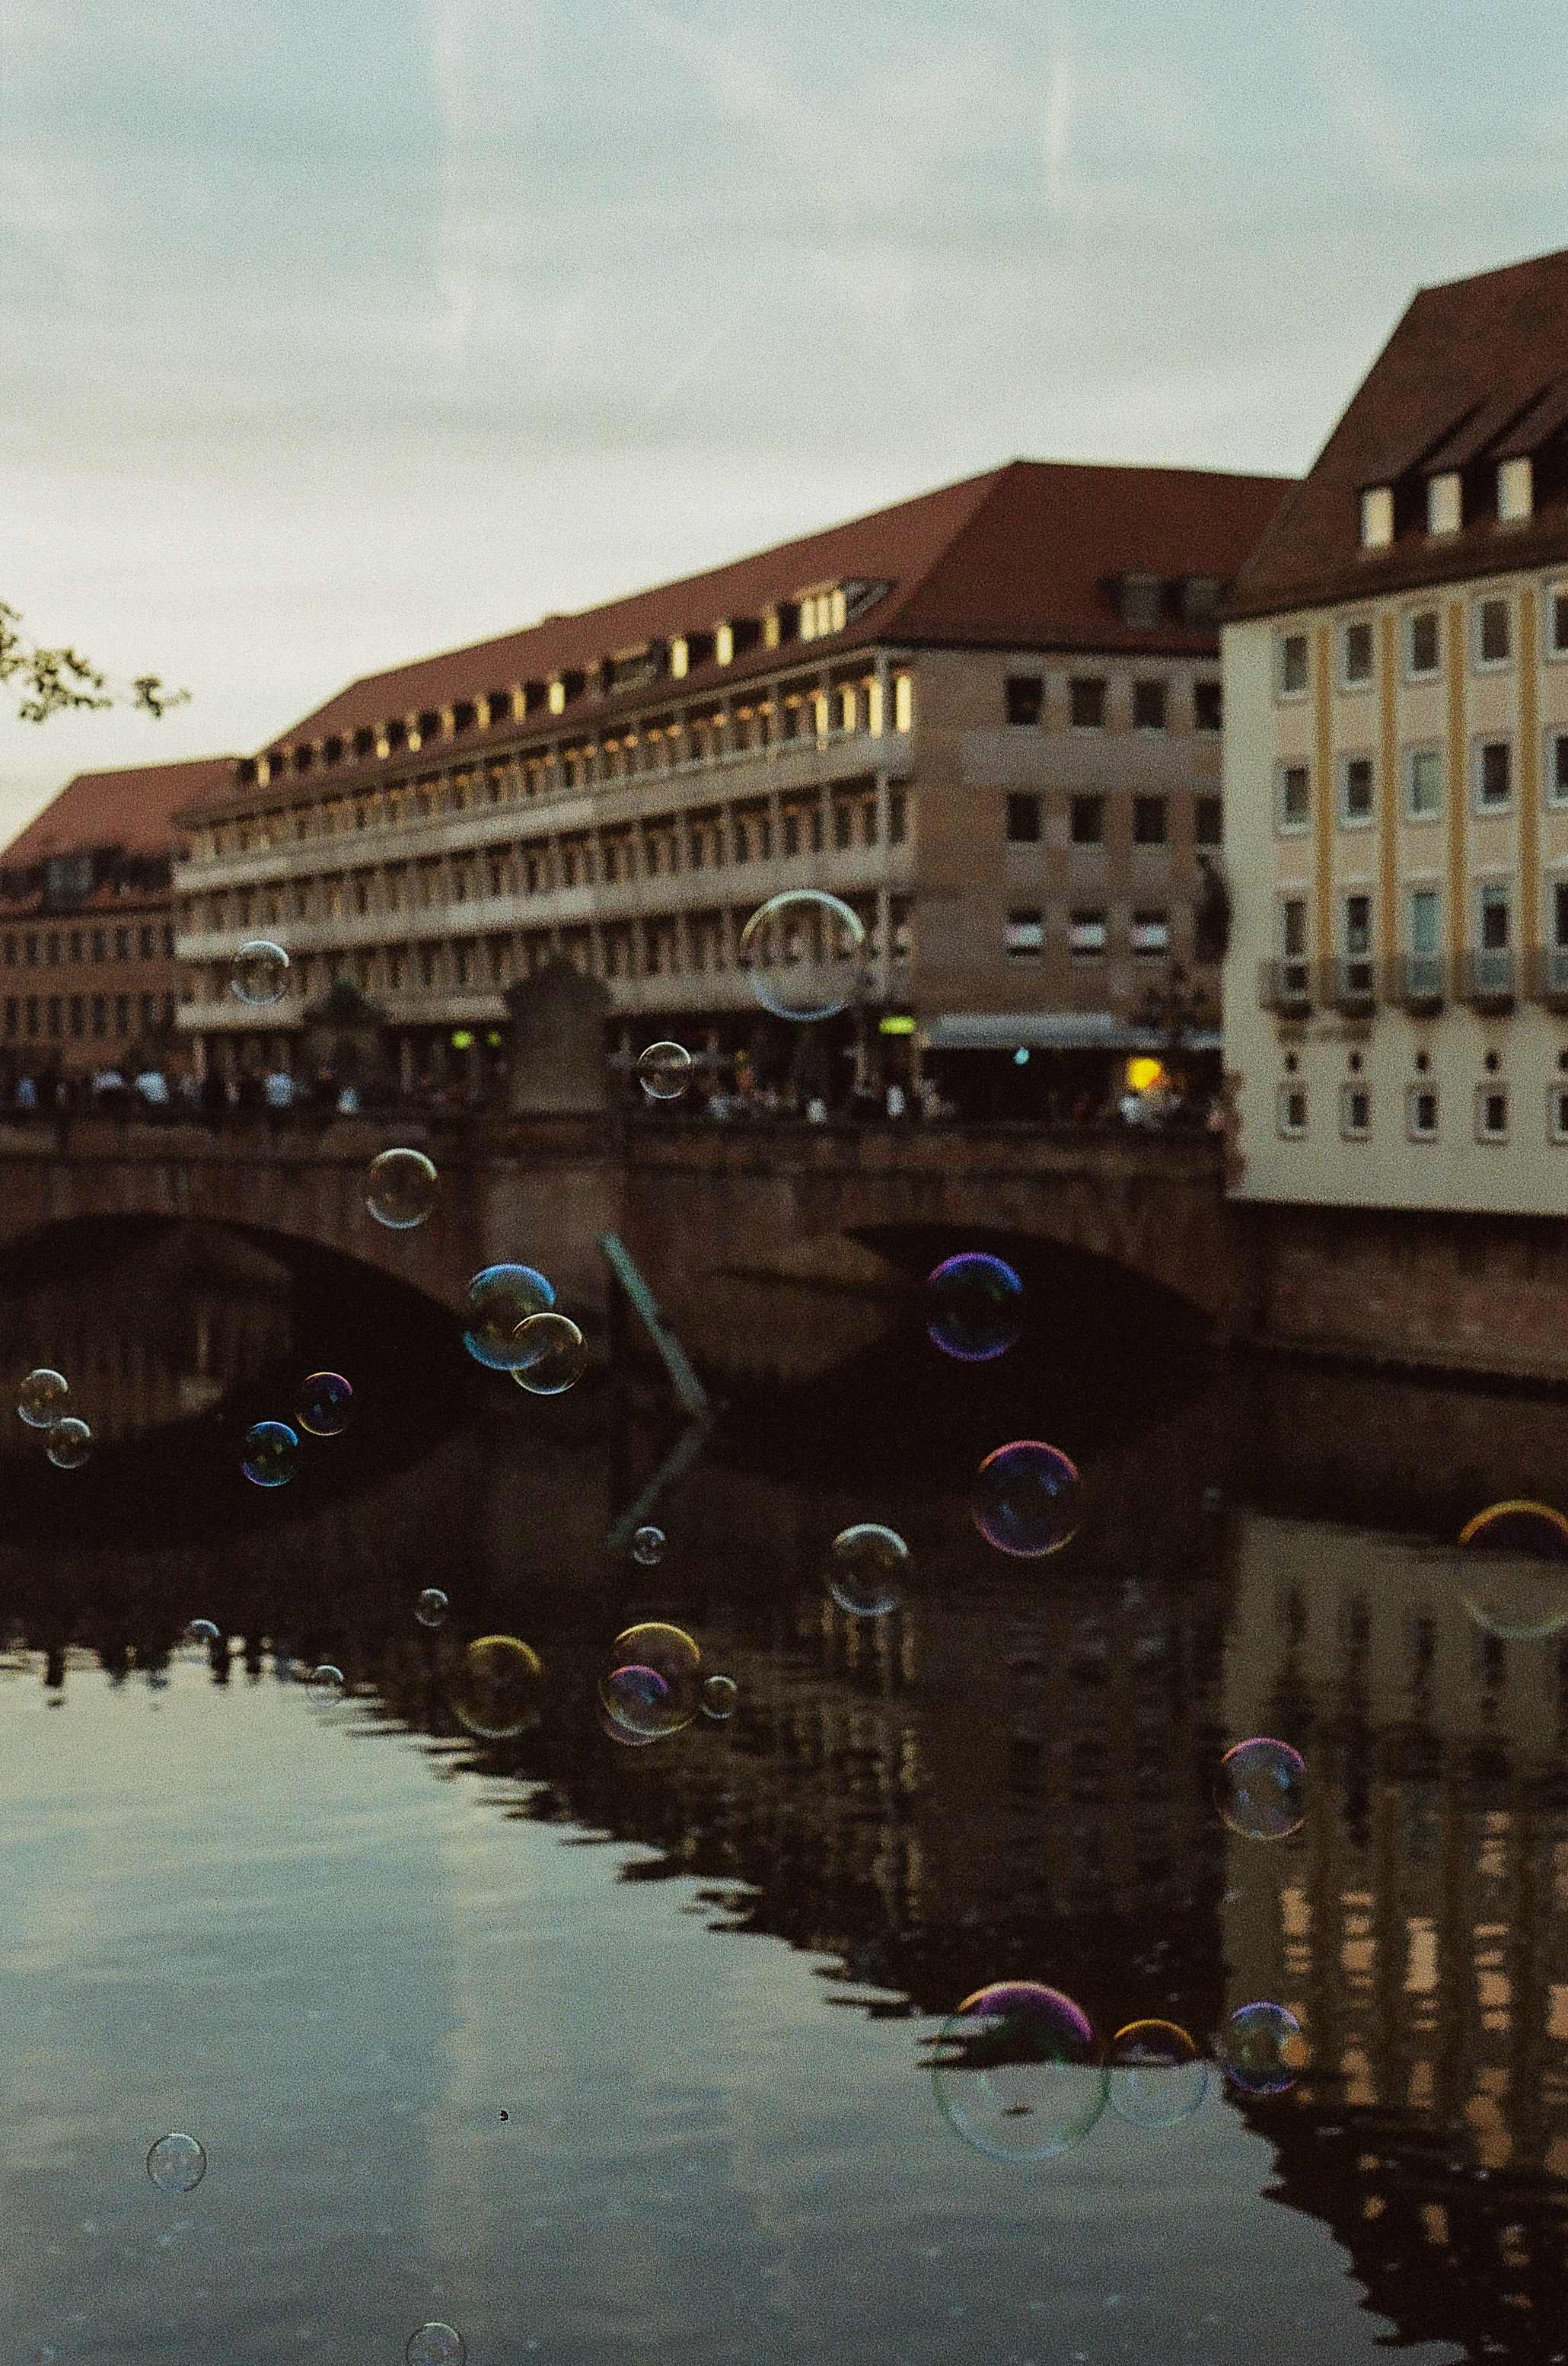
1148, 705
1559, 915
1557, 1112
1293, 927
1557, 621
897, 817
1421, 1113
1208, 707
1151, 932
1355, 1112
1026, 697
100, 1014
1491, 1113
1421, 643
1494, 919
12, 1014
1492, 634
903, 701
1209, 821
1087, 697
1424, 920
51, 1015
1358, 928
1377, 517
1557, 767
1087, 821
1025, 935
1087, 935
122, 1014
75, 1014
1356, 788
1355, 654
843, 827
1515, 491
1445, 502
1148, 821
1292, 664
1423, 783
1293, 1111
1024, 820
1494, 773
1294, 796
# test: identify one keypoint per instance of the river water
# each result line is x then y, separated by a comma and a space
598, 2054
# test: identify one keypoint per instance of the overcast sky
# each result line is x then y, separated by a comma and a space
336, 331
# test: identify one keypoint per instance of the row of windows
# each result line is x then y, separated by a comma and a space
1492, 1113
28, 948
1089, 703
1423, 921
1493, 776
49, 1017
1440, 505
1086, 818
1492, 636
1088, 934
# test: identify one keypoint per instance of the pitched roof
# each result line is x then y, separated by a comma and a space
1475, 372
129, 808
1025, 555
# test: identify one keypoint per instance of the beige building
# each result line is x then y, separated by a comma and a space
1396, 770
988, 720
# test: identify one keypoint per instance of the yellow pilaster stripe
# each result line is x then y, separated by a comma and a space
1387, 941
1324, 803
1458, 783
1530, 816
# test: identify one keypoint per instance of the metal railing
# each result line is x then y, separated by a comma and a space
1549, 976
1417, 981
1488, 977
1350, 984
1285, 986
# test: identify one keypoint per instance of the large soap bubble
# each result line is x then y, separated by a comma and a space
176, 2163
41, 1399
867, 1566
1262, 2049
651, 1681
664, 1070
500, 1298
436, 2344
804, 953
1260, 1789
497, 1687
552, 1355
260, 973
69, 1443
1019, 2071
1027, 1499
400, 1188
326, 1401
973, 1307
269, 1453
1158, 2076
1516, 1577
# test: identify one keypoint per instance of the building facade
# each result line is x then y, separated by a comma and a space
1396, 775
986, 720
87, 968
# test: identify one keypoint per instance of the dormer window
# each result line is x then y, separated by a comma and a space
823, 609
1445, 502
1377, 517
1515, 492
558, 696
724, 644
1139, 602
1200, 600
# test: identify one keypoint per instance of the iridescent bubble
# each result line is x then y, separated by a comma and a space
1018, 2072
647, 1547
500, 1299
400, 1188
1260, 1789
269, 1453
326, 1401
664, 1070
432, 1607
1516, 1579
1027, 1499
41, 1400
260, 973
804, 953
974, 1308
497, 1687
867, 1566
623, 1734
326, 1681
176, 2164
1261, 2048
70, 1442
203, 1631
719, 1696
555, 1355
651, 1682
1158, 2076
436, 2345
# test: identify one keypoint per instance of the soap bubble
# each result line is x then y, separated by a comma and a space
326, 1401
432, 1607
623, 1734
1019, 2073
1157, 2077
719, 1696
70, 1442
497, 1689
401, 1187
260, 973
176, 2164
500, 1299
554, 1354
41, 1400
269, 1453
436, 2345
1515, 1576
651, 1683
326, 1681
647, 1547
974, 1308
664, 1071
805, 954
1262, 2049
202, 1632
1260, 1789
866, 1569
1027, 1499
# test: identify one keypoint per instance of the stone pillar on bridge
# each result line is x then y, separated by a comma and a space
557, 1063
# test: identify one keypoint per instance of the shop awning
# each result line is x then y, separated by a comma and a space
1050, 1030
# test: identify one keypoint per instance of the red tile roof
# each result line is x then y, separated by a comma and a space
1475, 371
129, 808
1023, 557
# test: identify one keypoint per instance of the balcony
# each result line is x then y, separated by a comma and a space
1487, 979
1549, 976
1285, 987
1417, 982
1350, 984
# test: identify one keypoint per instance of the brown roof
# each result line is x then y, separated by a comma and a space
1023, 557
129, 808
1475, 372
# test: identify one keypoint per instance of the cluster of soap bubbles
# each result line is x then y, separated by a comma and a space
651, 1685
41, 1400
512, 1323
270, 1450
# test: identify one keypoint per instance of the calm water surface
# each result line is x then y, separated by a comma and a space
601, 2054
